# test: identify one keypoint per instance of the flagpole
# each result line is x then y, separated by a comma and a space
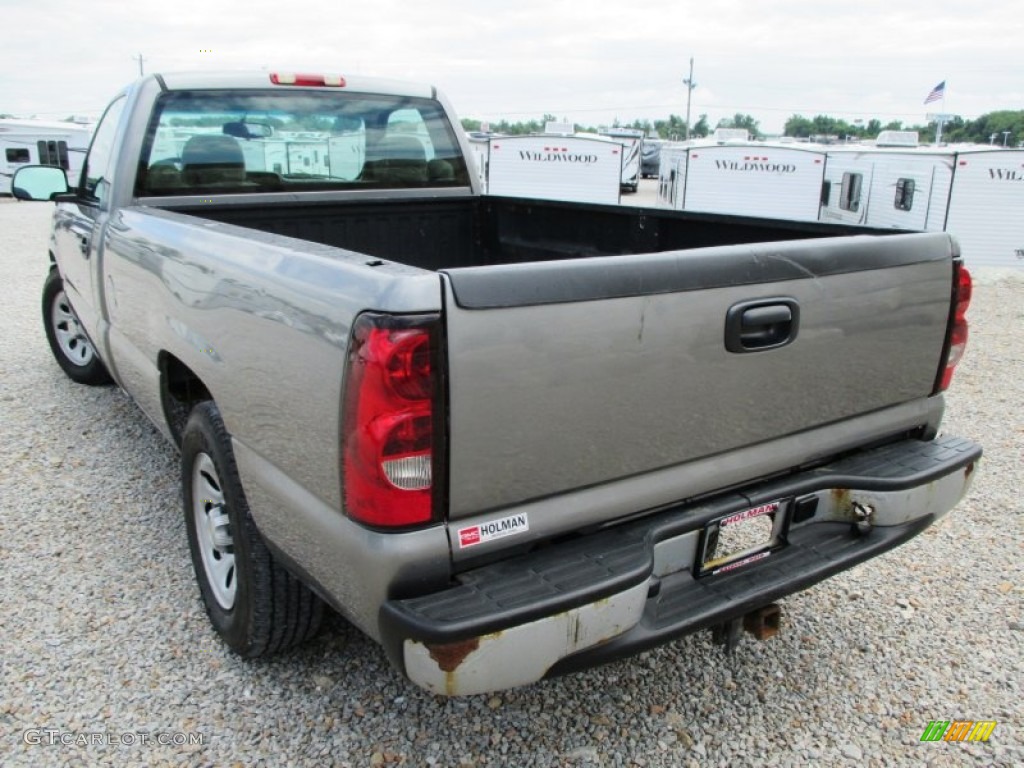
938, 132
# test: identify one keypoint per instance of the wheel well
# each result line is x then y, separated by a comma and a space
180, 391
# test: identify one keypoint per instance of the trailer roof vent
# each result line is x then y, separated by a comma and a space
897, 139
562, 129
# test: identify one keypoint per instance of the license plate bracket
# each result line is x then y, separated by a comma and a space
742, 538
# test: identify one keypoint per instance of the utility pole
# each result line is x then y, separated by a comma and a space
140, 60
690, 85
1006, 135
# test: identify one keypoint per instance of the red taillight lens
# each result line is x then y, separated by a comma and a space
390, 435
956, 340
964, 290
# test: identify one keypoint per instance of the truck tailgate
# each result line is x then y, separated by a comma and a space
569, 375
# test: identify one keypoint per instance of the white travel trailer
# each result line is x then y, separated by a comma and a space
632, 141
555, 168
755, 179
975, 194
899, 189
986, 207
35, 142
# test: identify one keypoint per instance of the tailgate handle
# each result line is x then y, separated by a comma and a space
752, 326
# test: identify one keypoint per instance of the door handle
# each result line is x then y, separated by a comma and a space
760, 324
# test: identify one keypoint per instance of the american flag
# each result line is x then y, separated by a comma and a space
938, 92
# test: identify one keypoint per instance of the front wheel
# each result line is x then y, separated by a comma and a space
254, 603
70, 346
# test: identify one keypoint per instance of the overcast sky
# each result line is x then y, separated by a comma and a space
589, 61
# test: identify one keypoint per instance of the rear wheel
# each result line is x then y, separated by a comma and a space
70, 346
254, 603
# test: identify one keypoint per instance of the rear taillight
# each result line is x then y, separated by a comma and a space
391, 434
956, 337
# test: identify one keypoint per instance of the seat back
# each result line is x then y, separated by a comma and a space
440, 170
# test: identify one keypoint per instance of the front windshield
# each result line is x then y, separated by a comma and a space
207, 142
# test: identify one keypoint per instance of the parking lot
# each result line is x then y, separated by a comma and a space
109, 660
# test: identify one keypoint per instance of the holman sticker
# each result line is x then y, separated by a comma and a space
493, 529
747, 514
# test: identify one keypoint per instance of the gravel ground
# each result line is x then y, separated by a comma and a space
103, 633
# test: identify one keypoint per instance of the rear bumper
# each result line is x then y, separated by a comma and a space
616, 592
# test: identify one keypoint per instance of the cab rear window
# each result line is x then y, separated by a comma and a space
208, 142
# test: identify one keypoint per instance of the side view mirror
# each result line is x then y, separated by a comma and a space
39, 182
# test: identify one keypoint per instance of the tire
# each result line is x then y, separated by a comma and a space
73, 351
255, 604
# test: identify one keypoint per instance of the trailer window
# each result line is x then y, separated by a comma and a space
203, 142
849, 198
18, 156
904, 195
826, 193
53, 153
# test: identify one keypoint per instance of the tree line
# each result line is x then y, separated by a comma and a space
994, 128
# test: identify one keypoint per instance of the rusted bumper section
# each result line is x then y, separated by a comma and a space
619, 591
521, 654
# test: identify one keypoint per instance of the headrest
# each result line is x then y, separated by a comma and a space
212, 158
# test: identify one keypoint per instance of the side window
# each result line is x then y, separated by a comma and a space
18, 156
849, 198
904, 195
826, 193
99, 161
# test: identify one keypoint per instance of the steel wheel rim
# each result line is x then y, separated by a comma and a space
71, 339
213, 531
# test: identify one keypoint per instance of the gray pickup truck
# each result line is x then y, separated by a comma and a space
506, 438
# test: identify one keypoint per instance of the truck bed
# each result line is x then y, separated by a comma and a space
450, 233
